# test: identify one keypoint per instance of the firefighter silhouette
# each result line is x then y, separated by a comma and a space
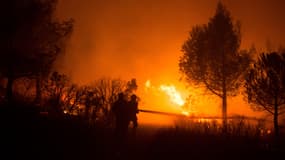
133, 110
120, 111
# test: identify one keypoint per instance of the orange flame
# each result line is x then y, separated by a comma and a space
171, 91
147, 84
174, 95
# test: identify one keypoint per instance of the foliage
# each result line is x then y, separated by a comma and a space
265, 85
106, 91
211, 56
266, 81
54, 88
92, 101
32, 39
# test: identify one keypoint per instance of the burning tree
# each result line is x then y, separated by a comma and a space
211, 57
265, 85
54, 89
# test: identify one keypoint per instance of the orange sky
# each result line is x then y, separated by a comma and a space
143, 38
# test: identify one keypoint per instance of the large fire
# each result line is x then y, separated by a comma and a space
173, 94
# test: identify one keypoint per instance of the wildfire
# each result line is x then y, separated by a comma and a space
186, 113
173, 94
171, 91
147, 84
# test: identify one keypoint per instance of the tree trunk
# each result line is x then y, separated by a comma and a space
38, 91
224, 87
9, 88
224, 107
275, 120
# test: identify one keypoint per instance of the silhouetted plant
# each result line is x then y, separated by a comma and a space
211, 56
106, 91
265, 85
77, 99
69, 98
237, 127
54, 89
24, 90
31, 40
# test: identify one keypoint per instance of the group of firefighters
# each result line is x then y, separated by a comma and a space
125, 113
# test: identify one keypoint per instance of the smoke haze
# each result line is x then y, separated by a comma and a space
142, 39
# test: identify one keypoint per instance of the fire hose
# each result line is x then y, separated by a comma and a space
196, 117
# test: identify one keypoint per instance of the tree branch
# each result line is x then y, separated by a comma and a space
213, 91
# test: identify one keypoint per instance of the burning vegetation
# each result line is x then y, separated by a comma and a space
43, 102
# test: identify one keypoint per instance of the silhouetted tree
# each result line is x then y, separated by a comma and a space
24, 90
211, 57
70, 98
31, 39
265, 85
76, 94
106, 91
87, 98
55, 88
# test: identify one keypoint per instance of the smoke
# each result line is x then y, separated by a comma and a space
139, 39
142, 39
